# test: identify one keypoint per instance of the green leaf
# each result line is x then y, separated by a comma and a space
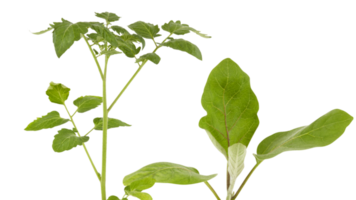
112, 123
109, 17
231, 106
57, 93
321, 132
142, 184
95, 38
181, 29
164, 172
237, 153
145, 30
199, 33
109, 52
127, 47
184, 45
50, 120
105, 33
113, 198
65, 33
153, 57
134, 38
120, 30
44, 31
138, 194
67, 139
87, 103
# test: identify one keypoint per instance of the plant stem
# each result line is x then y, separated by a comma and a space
105, 132
127, 85
246, 179
95, 58
212, 190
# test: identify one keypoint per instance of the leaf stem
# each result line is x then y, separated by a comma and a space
75, 112
95, 58
246, 179
89, 131
212, 190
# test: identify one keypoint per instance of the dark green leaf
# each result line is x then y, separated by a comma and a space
144, 29
127, 47
95, 38
134, 38
65, 33
87, 103
112, 123
67, 139
113, 198
105, 33
57, 93
109, 52
44, 31
120, 30
164, 172
321, 132
109, 17
153, 57
184, 45
50, 120
138, 194
231, 106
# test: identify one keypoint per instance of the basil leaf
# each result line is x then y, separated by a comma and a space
184, 45
67, 139
153, 57
50, 120
87, 103
145, 30
321, 132
57, 93
231, 106
109, 17
112, 123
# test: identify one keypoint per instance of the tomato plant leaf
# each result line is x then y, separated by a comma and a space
181, 29
87, 103
44, 31
127, 47
153, 57
65, 33
105, 33
119, 30
184, 45
231, 106
57, 93
109, 52
134, 38
164, 172
66, 139
237, 153
50, 120
145, 30
109, 17
112, 123
321, 132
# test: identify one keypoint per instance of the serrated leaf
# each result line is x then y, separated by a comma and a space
164, 172
95, 38
44, 31
105, 33
153, 57
57, 93
138, 194
87, 103
127, 47
113, 198
184, 45
321, 132
145, 30
230, 104
120, 30
65, 33
67, 139
109, 17
134, 38
237, 154
176, 28
109, 52
112, 122
50, 120
199, 33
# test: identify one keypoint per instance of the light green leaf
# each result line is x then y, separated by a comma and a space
184, 45
57, 93
153, 57
113, 198
164, 172
109, 17
65, 33
105, 33
199, 33
237, 154
321, 132
67, 139
87, 103
109, 52
142, 184
112, 123
120, 30
145, 30
50, 120
138, 194
44, 31
217, 144
231, 106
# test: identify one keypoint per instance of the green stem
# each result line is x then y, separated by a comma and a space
127, 85
246, 179
105, 132
212, 190
95, 58
89, 131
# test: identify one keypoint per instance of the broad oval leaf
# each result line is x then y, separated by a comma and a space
321, 132
142, 184
66, 139
184, 45
87, 103
237, 154
65, 33
113, 198
112, 123
57, 93
50, 120
145, 30
138, 194
109, 17
230, 104
44, 31
164, 172
105, 33
153, 57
